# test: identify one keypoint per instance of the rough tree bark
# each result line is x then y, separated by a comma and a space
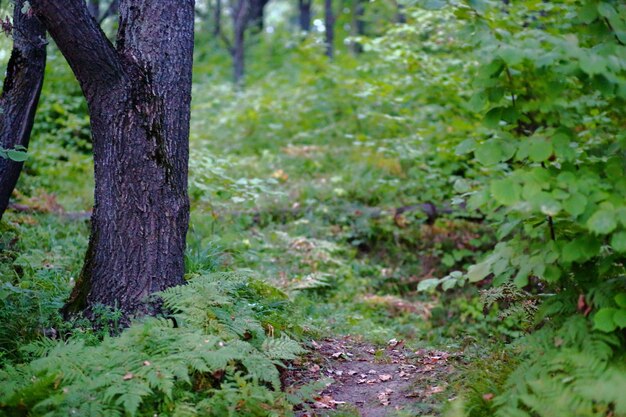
20, 94
138, 95
304, 17
329, 23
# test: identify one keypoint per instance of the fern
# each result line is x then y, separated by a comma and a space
219, 344
568, 371
282, 348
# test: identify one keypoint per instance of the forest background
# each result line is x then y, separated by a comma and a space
449, 174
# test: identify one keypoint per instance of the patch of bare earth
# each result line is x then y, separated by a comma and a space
373, 382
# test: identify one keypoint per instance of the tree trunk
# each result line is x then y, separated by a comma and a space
20, 94
257, 14
139, 103
358, 25
241, 14
329, 23
304, 7
217, 18
400, 16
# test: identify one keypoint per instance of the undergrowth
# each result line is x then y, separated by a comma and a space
219, 353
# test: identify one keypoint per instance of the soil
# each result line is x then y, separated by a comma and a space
370, 381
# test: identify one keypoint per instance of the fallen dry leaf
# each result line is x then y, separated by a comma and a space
326, 402
384, 377
383, 396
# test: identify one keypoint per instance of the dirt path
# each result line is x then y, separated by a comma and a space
373, 382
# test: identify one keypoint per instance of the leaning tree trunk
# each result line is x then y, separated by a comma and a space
329, 23
139, 103
20, 94
304, 17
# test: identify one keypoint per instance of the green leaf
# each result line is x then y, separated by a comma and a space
478, 272
620, 299
602, 222
467, 146
493, 117
580, 250
618, 242
592, 64
448, 284
433, 4
477, 103
489, 153
552, 273
506, 191
539, 150
562, 147
550, 207
606, 10
603, 320
588, 13
428, 284
478, 5
511, 55
620, 318
575, 204
17, 156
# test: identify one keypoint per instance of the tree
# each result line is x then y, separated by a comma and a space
257, 13
217, 18
329, 23
304, 17
138, 94
241, 13
20, 94
358, 24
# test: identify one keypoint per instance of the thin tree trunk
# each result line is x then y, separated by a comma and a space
358, 25
241, 14
329, 23
20, 94
257, 14
217, 18
139, 101
400, 14
304, 7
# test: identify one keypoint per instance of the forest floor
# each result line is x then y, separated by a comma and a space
373, 382
325, 220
